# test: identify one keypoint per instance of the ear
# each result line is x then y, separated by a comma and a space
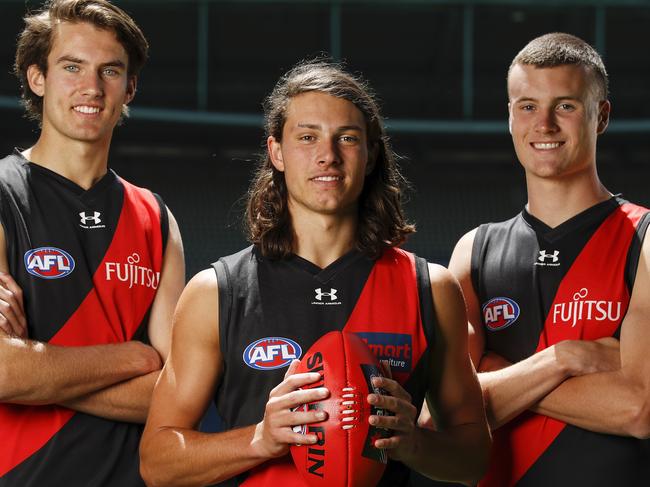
36, 80
510, 118
274, 147
604, 109
131, 86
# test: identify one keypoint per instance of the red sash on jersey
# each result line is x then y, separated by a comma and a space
590, 303
111, 313
388, 303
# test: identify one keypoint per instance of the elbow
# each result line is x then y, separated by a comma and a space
152, 474
481, 461
156, 469
638, 423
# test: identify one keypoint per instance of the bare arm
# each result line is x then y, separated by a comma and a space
458, 449
112, 381
129, 400
32, 372
35, 373
618, 401
510, 389
172, 452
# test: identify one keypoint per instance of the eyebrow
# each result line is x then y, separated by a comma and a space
557, 98
71, 59
314, 126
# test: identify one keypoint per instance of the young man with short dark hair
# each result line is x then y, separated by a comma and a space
559, 296
92, 266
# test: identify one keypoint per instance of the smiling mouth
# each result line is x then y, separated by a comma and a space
327, 179
86, 109
546, 145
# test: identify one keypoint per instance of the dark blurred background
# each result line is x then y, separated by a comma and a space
438, 67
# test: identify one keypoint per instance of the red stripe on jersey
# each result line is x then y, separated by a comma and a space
111, 313
590, 303
381, 309
388, 304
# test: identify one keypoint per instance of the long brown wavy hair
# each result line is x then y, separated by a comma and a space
382, 222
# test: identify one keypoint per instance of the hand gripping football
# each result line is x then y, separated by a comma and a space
344, 455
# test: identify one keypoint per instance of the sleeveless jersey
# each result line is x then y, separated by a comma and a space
537, 286
270, 312
88, 262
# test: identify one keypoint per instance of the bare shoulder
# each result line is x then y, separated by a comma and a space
199, 303
460, 261
443, 283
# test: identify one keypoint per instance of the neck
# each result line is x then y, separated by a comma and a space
322, 239
83, 163
554, 201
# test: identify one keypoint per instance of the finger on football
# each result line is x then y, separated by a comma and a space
389, 443
300, 439
292, 368
385, 368
304, 396
295, 381
392, 387
307, 417
394, 423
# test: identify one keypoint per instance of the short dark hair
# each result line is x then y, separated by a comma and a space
36, 40
558, 49
382, 222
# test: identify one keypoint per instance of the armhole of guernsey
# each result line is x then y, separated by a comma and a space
164, 221
634, 251
225, 303
476, 257
426, 301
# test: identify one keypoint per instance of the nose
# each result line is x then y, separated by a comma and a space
546, 121
92, 85
328, 153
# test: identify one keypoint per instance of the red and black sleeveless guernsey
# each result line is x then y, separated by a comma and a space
89, 265
270, 312
537, 286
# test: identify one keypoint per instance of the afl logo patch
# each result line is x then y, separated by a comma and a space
271, 353
500, 313
48, 262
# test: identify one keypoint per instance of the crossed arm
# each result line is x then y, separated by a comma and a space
174, 453
112, 381
600, 385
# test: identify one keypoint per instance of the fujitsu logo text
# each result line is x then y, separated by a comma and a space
319, 294
586, 309
131, 272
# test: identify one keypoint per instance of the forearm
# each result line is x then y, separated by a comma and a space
458, 454
38, 373
583, 402
127, 401
513, 389
185, 457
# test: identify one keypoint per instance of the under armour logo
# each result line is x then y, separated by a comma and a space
543, 256
85, 217
319, 294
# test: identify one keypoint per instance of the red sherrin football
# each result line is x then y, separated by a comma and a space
344, 455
